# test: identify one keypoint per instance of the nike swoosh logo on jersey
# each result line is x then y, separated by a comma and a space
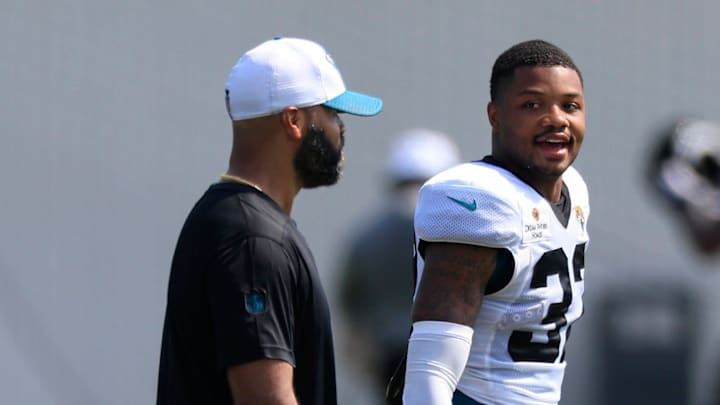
470, 206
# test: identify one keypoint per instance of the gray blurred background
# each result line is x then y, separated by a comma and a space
113, 124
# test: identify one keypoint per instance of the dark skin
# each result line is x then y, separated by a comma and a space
264, 148
538, 125
453, 281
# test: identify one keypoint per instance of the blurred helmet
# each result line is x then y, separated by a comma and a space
685, 171
418, 154
686, 166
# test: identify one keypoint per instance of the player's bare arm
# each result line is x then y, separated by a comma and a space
453, 282
262, 382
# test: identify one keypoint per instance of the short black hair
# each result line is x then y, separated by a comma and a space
535, 52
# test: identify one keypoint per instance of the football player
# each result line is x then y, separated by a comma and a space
501, 245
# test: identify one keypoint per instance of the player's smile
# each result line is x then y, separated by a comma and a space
554, 146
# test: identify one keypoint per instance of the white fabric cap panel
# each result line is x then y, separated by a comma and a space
280, 73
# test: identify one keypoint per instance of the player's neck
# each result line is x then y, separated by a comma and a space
550, 187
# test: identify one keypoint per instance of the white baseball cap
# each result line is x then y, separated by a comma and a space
285, 72
418, 154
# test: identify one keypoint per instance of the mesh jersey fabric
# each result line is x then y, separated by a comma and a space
517, 353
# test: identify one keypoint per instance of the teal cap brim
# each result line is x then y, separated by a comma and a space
356, 104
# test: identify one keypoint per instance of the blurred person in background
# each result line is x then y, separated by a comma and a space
376, 271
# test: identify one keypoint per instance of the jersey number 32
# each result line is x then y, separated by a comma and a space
521, 346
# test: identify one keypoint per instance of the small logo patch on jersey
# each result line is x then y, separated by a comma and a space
535, 225
470, 206
580, 216
256, 302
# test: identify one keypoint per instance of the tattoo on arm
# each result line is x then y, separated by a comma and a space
453, 282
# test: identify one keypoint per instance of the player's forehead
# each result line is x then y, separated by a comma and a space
542, 79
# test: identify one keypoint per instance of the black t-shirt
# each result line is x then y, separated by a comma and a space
243, 286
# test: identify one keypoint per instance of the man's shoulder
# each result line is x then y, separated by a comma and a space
475, 203
573, 175
575, 183
236, 208
478, 177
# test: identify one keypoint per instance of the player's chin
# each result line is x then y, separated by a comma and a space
554, 168
561, 163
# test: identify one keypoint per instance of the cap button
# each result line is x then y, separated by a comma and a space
277, 37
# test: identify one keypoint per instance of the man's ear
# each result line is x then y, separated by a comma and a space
293, 120
492, 113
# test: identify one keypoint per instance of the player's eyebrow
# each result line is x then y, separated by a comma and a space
538, 92
530, 92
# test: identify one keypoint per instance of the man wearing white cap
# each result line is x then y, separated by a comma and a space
247, 320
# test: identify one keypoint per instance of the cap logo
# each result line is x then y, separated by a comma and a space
536, 214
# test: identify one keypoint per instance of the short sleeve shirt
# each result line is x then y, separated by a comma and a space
243, 287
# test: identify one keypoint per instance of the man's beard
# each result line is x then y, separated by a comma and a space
318, 161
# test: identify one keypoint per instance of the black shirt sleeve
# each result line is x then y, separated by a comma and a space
251, 292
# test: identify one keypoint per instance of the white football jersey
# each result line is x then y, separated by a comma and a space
517, 353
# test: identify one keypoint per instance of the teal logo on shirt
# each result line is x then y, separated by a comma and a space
256, 302
470, 206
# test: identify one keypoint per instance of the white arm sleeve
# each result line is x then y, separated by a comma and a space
437, 354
